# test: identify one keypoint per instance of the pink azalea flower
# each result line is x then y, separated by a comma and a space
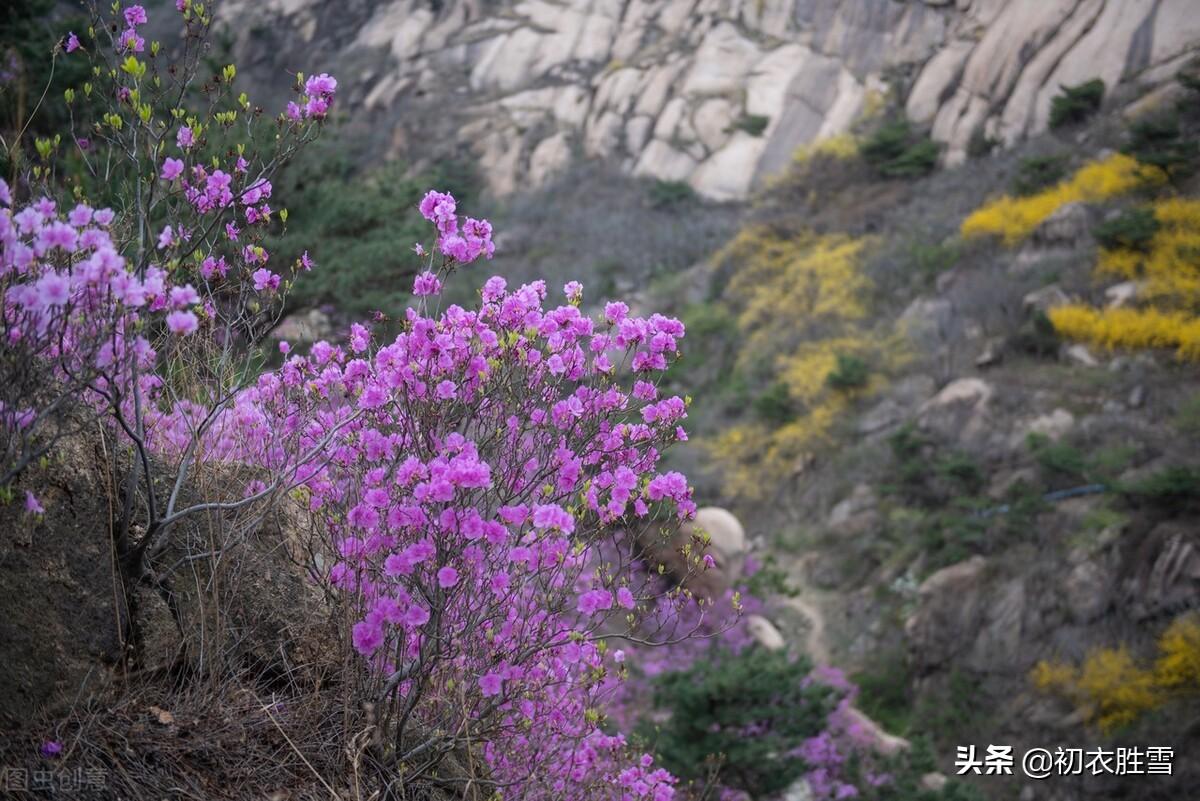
491, 684
172, 169
447, 577
135, 15
182, 323
265, 280
416, 615
181, 296
34, 507
130, 42
367, 637
594, 601
426, 284
80, 216
53, 289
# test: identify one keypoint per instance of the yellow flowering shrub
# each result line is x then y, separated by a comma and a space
1130, 328
788, 285
1169, 270
757, 457
1113, 690
841, 146
1168, 276
1178, 663
1118, 690
800, 301
1014, 218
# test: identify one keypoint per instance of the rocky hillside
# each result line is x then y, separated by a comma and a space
992, 525
718, 93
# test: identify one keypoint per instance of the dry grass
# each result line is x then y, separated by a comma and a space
170, 736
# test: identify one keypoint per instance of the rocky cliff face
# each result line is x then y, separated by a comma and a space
718, 93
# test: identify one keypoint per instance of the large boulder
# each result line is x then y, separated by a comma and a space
950, 607
959, 412
714, 532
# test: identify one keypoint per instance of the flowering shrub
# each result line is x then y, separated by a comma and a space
1130, 328
755, 708
801, 300
768, 719
149, 316
1014, 218
1112, 689
1165, 265
483, 460
473, 479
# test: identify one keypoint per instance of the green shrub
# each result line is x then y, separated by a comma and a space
712, 702
896, 151
930, 259
1037, 173
774, 405
851, 372
885, 692
669, 194
1057, 459
1159, 140
962, 469
359, 229
1187, 419
1076, 103
952, 712
753, 124
887, 142
1169, 487
953, 535
910, 452
919, 158
1131, 230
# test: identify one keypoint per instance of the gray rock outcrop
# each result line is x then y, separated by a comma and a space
719, 93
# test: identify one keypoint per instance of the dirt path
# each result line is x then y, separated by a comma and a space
808, 604
814, 641
816, 644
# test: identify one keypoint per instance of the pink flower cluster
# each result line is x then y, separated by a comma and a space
211, 191
465, 243
480, 462
55, 266
471, 474
129, 41
319, 91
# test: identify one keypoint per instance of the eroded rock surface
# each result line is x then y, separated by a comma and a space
718, 93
